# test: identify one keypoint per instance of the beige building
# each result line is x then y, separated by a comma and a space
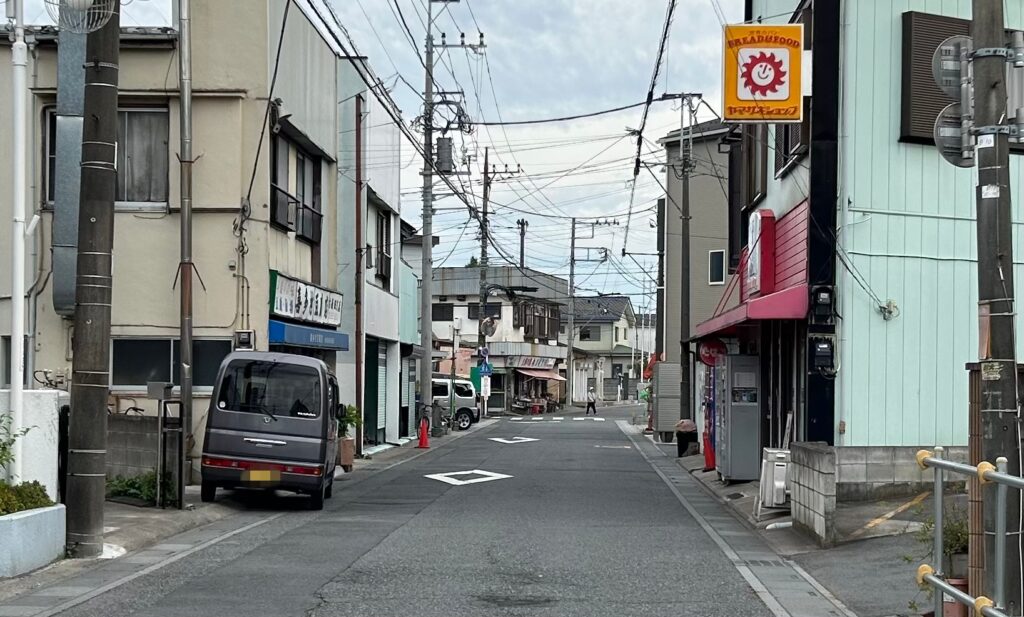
264, 226
603, 354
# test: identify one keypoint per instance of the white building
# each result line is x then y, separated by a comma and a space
603, 354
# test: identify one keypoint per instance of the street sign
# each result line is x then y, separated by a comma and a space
483, 352
947, 68
949, 137
763, 71
486, 370
485, 388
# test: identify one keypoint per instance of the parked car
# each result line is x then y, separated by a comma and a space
273, 423
466, 410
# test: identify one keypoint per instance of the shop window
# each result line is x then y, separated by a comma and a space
138, 361
716, 267
142, 157
442, 311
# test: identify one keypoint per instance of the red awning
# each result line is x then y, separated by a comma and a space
541, 374
789, 303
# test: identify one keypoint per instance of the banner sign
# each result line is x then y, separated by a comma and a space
295, 299
763, 68
530, 362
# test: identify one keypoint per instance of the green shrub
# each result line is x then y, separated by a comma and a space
24, 496
141, 487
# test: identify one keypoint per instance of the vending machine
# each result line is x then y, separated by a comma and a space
738, 419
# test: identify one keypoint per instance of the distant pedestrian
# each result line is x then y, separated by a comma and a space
591, 402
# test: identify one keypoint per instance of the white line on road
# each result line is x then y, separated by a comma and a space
599, 419
60, 608
579, 419
449, 478
615, 447
513, 440
557, 419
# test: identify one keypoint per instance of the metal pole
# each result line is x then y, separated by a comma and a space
451, 384
186, 266
19, 73
996, 311
569, 380
360, 286
426, 321
937, 535
90, 377
685, 152
999, 561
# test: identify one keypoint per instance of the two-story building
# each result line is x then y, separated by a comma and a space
709, 259
855, 244
604, 357
524, 350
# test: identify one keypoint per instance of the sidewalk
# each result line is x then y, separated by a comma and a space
131, 531
872, 568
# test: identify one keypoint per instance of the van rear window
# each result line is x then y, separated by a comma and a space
270, 388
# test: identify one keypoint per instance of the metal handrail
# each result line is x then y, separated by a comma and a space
986, 473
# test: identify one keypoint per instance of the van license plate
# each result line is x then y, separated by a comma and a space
260, 475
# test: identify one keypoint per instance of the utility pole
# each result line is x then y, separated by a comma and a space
186, 265
572, 317
427, 271
685, 162
90, 377
19, 90
999, 394
481, 338
523, 224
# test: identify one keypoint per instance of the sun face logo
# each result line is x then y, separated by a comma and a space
763, 74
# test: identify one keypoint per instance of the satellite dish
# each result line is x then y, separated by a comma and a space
488, 327
80, 16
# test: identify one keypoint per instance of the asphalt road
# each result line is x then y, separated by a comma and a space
583, 526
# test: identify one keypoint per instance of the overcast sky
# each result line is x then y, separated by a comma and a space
546, 58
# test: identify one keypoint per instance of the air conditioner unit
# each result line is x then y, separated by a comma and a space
774, 478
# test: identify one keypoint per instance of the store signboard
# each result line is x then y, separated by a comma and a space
763, 70
530, 362
295, 299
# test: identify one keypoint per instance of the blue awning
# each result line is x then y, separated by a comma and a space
281, 333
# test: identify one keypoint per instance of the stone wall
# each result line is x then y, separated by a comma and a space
871, 473
813, 490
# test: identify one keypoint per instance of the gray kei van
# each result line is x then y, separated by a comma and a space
273, 423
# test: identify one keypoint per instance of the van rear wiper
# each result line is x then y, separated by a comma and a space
263, 410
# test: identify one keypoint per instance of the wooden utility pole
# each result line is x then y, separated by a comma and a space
999, 400
90, 376
569, 370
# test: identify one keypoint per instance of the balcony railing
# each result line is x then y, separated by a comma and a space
287, 213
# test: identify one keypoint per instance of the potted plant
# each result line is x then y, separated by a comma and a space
955, 539
348, 415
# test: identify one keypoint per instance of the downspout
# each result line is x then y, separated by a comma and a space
360, 246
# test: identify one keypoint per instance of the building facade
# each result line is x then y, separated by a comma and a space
604, 357
524, 351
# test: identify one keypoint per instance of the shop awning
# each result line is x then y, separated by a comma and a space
539, 374
789, 303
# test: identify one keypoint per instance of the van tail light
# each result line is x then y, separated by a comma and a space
230, 463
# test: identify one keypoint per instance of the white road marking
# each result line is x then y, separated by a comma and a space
515, 419
557, 419
449, 478
615, 447
513, 440
579, 419
599, 419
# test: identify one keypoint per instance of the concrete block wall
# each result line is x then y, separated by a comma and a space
133, 445
881, 472
813, 490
